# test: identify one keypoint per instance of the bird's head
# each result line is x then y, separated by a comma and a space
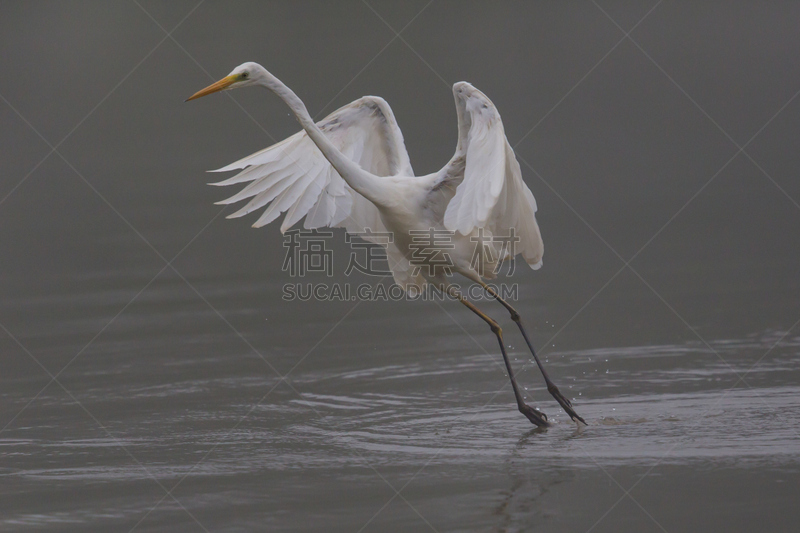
244, 75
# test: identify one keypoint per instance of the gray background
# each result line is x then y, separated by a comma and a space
144, 339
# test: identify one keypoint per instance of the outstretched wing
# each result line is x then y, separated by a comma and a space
294, 177
491, 194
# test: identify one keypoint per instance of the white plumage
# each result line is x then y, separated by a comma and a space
352, 170
481, 188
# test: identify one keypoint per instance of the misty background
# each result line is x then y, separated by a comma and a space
660, 142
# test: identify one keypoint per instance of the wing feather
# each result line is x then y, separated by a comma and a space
491, 194
294, 177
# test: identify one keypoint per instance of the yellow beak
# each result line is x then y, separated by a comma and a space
224, 83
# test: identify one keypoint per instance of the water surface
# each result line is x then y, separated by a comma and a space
188, 396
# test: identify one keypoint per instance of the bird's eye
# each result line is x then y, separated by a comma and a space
244, 75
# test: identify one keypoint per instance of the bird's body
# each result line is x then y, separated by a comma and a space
352, 170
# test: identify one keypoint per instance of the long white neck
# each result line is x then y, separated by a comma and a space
365, 183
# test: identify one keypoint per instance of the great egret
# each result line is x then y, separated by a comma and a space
352, 170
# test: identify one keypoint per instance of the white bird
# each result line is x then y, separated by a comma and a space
352, 170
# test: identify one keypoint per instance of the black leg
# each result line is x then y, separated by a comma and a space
551, 387
534, 415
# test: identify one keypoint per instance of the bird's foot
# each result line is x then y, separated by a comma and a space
565, 403
536, 417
